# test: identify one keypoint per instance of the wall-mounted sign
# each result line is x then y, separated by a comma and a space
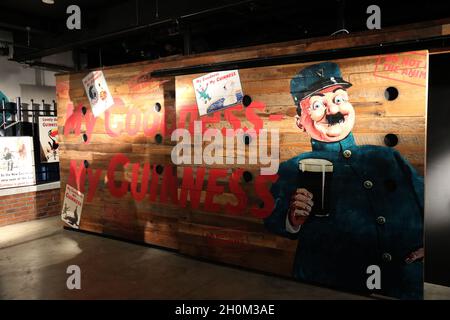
48, 138
98, 93
310, 158
217, 91
72, 206
16, 162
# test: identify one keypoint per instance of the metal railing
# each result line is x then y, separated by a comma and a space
22, 119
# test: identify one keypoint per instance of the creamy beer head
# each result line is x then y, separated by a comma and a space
315, 165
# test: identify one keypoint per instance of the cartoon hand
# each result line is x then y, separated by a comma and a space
301, 206
416, 255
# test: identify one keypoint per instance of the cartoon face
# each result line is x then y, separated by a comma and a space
327, 115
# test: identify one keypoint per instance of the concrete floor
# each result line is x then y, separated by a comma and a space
34, 257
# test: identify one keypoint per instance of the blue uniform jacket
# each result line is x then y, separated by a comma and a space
378, 223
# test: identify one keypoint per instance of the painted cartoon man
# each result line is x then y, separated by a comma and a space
376, 199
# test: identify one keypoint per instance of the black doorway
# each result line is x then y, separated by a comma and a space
437, 192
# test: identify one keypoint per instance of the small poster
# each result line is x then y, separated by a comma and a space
48, 137
98, 93
72, 206
16, 162
217, 91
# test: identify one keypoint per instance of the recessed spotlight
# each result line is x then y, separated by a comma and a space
48, 1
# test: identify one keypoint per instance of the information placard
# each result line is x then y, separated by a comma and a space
72, 207
16, 162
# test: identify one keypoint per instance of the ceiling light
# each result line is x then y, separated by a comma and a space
49, 1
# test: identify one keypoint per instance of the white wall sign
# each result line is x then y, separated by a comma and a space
218, 90
48, 137
16, 162
98, 93
72, 206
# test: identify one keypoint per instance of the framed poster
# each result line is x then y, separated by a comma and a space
72, 206
98, 93
16, 162
48, 138
217, 91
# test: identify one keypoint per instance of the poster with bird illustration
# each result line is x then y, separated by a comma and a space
48, 137
72, 207
217, 90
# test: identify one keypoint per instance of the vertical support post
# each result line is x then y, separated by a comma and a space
55, 108
4, 113
19, 109
19, 129
187, 41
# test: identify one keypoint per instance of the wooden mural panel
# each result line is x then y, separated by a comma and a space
272, 103
122, 160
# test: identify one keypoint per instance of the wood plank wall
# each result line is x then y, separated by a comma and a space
158, 218
242, 239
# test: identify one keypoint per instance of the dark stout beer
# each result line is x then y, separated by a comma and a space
316, 177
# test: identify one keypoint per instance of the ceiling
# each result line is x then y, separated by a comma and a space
42, 10
121, 31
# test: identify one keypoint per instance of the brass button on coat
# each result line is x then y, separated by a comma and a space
387, 257
347, 154
368, 184
381, 220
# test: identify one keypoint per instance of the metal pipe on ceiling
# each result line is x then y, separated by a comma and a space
50, 66
80, 43
349, 52
10, 26
215, 9
121, 33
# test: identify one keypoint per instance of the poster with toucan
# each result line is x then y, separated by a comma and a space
48, 137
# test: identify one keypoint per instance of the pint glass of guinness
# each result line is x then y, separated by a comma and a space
316, 177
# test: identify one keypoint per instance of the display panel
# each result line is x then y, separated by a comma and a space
16, 162
317, 174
